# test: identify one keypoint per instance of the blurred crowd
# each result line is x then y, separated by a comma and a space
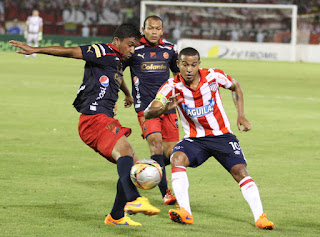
101, 17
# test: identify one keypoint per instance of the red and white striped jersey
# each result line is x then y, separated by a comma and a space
201, 111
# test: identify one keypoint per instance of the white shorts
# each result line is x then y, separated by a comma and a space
33, 37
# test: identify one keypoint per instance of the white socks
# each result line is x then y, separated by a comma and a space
251, 194
180, 185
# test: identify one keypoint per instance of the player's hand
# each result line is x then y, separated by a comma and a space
25, 49
242, 121
128, 101
172, 102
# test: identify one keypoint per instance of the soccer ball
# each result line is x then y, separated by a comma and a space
146, 174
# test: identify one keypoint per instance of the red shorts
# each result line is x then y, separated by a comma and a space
101, 133
167, 125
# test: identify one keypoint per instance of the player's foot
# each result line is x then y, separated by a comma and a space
169, 199
123, 221
264, 223
181, 216
141, 205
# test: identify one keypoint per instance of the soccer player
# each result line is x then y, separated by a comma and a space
150, 68
195, 93
95, 101
34, 30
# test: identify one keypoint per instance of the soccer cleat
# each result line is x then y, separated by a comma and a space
264, 223
123, 221
181, 216
141, 205
169, 199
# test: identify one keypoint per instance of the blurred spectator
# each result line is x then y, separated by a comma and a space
85, 31
15, 28
34, 30
234, 35
2, 29
94, 31
176, 34
260, 36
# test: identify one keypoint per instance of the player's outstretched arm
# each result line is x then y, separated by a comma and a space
69, 52
157, 108
237, 96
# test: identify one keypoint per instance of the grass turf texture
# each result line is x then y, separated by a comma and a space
52, 184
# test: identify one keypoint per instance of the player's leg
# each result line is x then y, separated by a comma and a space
151, 131
36, 44
251, 194
180, 185
170, 137
123, 153
117, 216
29, 42
106, 136
231, 157
155, 145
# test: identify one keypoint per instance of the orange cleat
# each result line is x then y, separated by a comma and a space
181, 216
123, 221
141, 205
264, 223
169, 199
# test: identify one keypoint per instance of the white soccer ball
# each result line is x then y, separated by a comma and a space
146, 174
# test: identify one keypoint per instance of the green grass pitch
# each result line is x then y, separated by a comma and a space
52, 184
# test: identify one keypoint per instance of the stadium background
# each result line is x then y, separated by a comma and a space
101, 17
51, 184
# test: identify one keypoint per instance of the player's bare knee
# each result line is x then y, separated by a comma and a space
239, 172
155, 143
122, 148
179, 159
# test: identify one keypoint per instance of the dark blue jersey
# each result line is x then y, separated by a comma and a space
101, 81
150, 68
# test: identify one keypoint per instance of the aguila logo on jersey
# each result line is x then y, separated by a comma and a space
104, 80
165, 55
200, 111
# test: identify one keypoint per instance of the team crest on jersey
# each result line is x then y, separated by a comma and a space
115, 130
104, 80
152, 54
165, 55
213, 86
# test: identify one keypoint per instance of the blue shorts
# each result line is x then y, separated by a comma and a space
224, 148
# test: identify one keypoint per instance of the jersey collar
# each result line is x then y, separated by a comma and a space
144, 41
115, 49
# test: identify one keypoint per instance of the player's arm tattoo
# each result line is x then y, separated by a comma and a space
235, 98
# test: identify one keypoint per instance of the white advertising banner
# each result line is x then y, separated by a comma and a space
240, 50
253, 50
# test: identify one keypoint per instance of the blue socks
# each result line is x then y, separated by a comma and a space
124, 165
163, 185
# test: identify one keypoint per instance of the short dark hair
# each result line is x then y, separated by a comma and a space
153, 17
189, 52
127, 31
